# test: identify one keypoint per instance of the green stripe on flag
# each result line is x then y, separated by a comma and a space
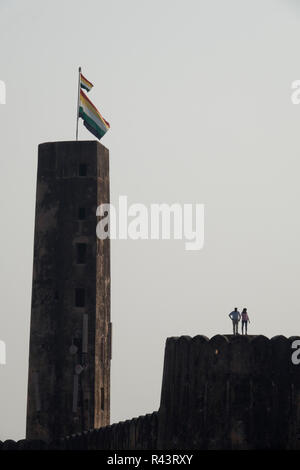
91, 125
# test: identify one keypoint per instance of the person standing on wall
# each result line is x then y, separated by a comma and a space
245, 321
235, 317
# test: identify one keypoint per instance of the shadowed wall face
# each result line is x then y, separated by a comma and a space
223, 393
70, 335
229, 392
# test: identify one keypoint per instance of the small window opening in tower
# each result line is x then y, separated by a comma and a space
81, 249
82, 169
102, 398
79, 297
81, 213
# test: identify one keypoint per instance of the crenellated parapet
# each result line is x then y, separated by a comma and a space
133, 434
229, 392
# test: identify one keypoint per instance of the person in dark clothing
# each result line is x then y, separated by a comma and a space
245, 320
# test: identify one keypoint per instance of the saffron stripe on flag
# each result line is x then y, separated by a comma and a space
92, 118
84, 83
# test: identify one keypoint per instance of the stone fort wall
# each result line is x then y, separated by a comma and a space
138, 433
229, 392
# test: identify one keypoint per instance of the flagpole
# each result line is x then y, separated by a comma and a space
78, 97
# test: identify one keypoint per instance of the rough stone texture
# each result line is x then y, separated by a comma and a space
229, 392
56, 323
135, 434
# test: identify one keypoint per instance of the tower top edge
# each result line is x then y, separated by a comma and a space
72, 143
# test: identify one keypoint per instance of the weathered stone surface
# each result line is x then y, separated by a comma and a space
73, 178
229, 392
224, 393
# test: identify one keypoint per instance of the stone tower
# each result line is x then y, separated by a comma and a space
70, 333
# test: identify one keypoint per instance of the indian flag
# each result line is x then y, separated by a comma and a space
84, 83
92, 119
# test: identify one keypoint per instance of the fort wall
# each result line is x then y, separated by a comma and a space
227, 392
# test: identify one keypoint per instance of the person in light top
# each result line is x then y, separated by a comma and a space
235, 317
245, 321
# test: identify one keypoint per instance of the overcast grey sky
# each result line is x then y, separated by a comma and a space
198, 97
